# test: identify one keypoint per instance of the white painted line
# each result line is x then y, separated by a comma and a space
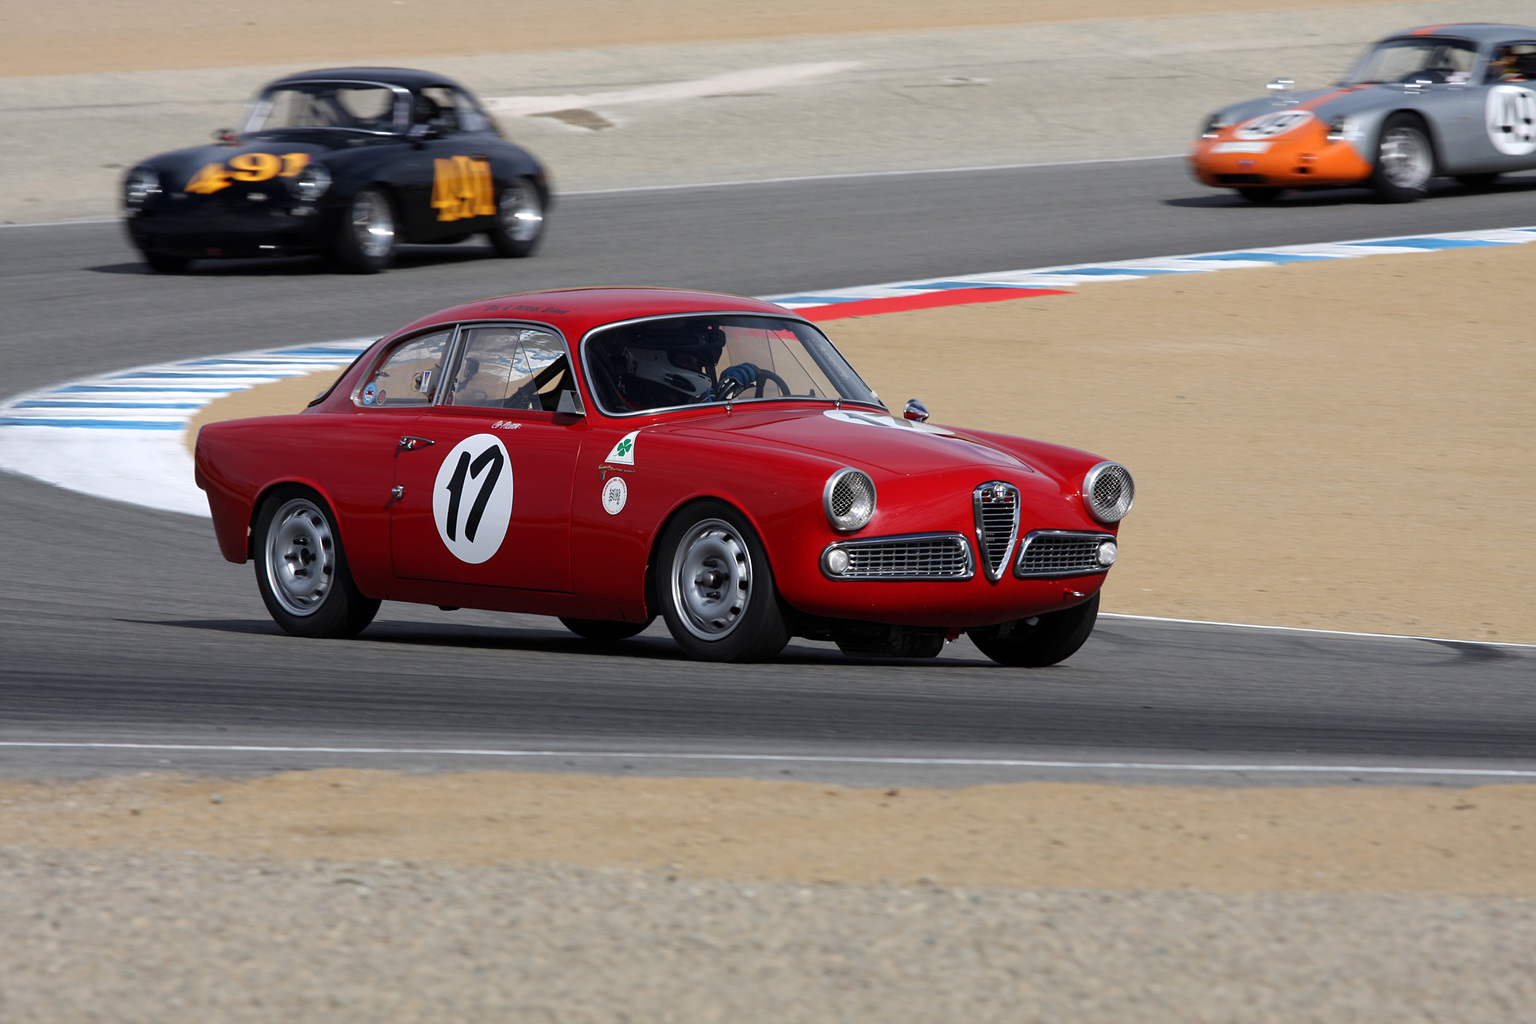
865, 174
58, 223
1324, 632
924, 762
747, 80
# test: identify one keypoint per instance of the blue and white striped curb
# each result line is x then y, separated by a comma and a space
119, 435
1131, 270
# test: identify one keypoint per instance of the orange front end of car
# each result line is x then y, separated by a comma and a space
1305, 156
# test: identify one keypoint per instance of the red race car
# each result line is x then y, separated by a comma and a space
608, 454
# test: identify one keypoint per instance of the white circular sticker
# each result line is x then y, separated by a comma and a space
472, 498
1267, 126
1512, 119
615, 495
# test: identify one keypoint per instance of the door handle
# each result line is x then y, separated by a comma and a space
410, 443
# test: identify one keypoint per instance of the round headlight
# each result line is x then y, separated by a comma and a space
311, 183
849, 498
141, 183
1107, 553
1109, 492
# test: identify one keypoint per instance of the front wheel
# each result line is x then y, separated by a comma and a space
365, 242
1404, 160
519, 219
1038, 641
302, 572
715, 587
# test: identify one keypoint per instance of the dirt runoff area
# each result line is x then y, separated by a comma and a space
92, 36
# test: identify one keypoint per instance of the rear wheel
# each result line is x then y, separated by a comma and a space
1260, 193
1405, 160
603, 632
519, 219
365, 242
302, 572
1041, 640
715, 587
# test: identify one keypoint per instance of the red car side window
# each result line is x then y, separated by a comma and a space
408, 375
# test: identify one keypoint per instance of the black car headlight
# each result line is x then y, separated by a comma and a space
849, 499
1109, 492
139, 185
311, 183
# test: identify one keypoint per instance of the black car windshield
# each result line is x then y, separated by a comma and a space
1416, 59
356, 106
668, 362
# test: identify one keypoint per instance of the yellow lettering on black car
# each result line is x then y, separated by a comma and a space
246, 167
462, 187
254, 167
209, 178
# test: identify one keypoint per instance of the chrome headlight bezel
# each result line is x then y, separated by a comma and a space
311, 183
139, 185
1119, 492
859, 505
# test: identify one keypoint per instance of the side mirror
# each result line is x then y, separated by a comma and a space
421, 132
915, 410
1280, 85
225, 135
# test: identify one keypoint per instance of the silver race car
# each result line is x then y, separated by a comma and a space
1456, 100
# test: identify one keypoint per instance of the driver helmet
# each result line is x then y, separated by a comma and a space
671, 369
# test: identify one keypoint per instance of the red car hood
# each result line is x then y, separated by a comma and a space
860, 437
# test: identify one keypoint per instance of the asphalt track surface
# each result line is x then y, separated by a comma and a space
123, 626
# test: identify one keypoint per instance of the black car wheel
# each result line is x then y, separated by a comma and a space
365, 241
1040, 641
519, 219
302, 572
715, 587
604, 632
164, 262
1405, 161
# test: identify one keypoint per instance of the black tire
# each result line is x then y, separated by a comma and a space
164, 262
365, 238
302, 571
1478, 180
715, 587
519, 225
603, 632
1052, 638
1405, 160
1260, 194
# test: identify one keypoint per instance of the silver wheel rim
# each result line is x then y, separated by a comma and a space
300, 556
373, 224
711, 579
521, 211
1405, 158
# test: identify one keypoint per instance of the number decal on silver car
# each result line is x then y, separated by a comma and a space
1512, 119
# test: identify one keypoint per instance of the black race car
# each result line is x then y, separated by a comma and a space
349, 161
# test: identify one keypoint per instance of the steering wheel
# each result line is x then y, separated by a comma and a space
764, 376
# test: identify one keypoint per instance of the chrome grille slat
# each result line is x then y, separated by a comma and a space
997, 524
926, 556
1053, 553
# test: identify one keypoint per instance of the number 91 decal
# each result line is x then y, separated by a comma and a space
246, 167
472, 498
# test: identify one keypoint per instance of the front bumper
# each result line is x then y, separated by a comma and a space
1303, 158
191, 226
